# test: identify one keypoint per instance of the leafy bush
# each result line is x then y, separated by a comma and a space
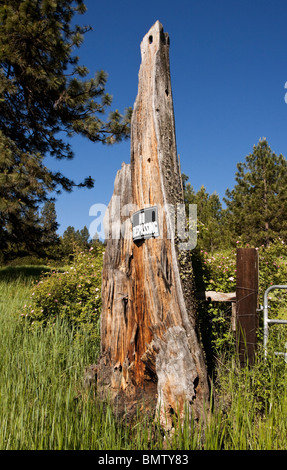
73, 295
217, 272
273, 271
28, 260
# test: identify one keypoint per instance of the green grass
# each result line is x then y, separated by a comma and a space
43, 404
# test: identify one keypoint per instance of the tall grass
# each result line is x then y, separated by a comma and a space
43, 404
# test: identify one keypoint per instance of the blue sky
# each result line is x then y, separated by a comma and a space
228, 63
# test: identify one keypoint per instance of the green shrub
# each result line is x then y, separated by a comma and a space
273, 271
73, 295
28, 260
217, 272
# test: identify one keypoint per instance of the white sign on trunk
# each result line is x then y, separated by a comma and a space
145, 223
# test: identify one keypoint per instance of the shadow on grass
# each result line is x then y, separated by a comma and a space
12, 273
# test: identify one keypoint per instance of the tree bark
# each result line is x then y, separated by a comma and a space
150, 352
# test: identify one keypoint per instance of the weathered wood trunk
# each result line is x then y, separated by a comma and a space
149, 345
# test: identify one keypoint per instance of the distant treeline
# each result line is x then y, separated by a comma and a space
256, 207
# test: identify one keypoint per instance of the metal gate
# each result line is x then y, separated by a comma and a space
267, 321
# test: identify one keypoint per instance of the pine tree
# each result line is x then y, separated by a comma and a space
49, 226
257, 206
209, 215
24, 234
74, 240
83, 237
68, 241
44, 95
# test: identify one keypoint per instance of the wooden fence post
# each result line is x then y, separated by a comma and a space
247, 303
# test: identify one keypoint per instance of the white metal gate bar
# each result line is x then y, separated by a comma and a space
267, 320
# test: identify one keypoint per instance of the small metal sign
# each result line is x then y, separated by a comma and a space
145, 223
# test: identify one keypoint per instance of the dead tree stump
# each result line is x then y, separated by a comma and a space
150, 352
